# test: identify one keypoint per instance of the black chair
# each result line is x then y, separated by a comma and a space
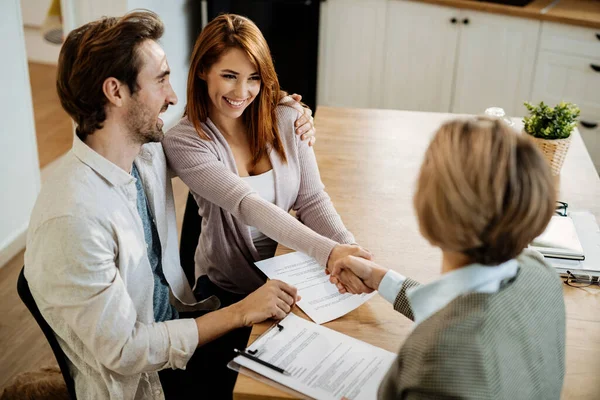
61, 358
190, 232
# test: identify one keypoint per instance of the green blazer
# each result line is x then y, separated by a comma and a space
504, 345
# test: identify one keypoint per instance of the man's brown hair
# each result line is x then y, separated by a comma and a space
94, 52
483, 190
223, 33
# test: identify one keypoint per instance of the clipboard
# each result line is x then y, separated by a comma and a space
317, 361
258, 377
261, 378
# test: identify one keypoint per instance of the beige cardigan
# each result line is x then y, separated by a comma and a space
229, 205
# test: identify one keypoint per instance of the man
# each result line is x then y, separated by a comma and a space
101, 256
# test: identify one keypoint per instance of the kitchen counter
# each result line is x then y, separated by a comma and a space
575, 12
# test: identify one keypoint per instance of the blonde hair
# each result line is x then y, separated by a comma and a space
483, 190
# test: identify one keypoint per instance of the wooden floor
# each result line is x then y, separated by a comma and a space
53, 127
23, 346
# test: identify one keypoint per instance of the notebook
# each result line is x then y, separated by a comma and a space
559, 240
589, 235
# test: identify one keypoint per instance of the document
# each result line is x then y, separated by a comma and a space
321, 363
321, 300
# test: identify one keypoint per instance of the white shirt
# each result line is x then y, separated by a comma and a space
89, 274
426, 300
264, 185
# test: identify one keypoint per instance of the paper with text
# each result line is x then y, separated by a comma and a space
321, 300
324, 364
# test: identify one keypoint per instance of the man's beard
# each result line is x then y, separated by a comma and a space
143, 125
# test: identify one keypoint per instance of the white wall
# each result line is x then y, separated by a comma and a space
34, 11
19, 166
34, 15
38, 49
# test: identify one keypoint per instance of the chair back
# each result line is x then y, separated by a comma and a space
190, 233
61, 358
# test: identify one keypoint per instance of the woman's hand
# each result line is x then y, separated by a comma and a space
342, 250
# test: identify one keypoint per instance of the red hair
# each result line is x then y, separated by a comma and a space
225, 32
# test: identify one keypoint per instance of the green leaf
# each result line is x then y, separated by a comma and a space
545, 122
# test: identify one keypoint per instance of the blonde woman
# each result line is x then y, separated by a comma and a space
493, 325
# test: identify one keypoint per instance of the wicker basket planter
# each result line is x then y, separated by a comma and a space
554, 151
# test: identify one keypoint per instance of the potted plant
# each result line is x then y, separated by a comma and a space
551, 130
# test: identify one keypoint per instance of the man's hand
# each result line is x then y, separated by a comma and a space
343, 272
305, 125
272, 300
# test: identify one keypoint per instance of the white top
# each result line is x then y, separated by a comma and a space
89, 274
426, 300
264, 185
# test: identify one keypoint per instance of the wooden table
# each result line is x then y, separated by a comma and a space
369, 160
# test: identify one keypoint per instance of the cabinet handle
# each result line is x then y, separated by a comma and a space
454, 20
589, 125
466, 21
595, 67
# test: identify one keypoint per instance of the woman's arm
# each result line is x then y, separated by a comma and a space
200, 168
313, 205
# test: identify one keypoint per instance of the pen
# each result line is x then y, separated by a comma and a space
261, 362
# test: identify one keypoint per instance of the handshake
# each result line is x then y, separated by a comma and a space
350, 268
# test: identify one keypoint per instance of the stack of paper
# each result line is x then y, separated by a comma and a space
588, 233
559, 240
318, 362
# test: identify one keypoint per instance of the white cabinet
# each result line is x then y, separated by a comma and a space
351, 38
591, 138
449, 60
569, 39
570, 78
416, 56
419, 57
568, 69
494, 63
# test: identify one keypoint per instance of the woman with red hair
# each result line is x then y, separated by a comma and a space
235, 148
